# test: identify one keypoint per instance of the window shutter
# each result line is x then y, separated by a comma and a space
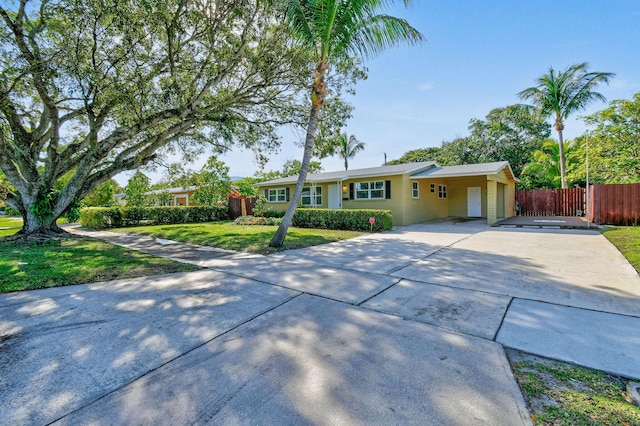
387, 189
351, 191
287, 193
266, 194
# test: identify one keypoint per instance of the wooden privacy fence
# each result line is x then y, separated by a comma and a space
552, 202
615, 204
236, 206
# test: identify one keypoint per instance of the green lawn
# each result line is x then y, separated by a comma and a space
627, 240
9, 225
28, 266
248, 238
558, 393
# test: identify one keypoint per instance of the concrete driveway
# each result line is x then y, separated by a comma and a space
405, 327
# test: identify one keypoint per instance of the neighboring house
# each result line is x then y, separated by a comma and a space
414, 192
180, 196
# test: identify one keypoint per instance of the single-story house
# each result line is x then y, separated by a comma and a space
177, 197
414, 192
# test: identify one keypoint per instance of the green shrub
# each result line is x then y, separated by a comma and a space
101, 217
348, 219
113, 217
258, 220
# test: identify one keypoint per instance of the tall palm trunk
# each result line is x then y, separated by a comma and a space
563, 169
318, 92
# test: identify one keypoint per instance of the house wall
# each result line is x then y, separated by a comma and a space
457, 188
497, 192
395, 203
427, 206
282, 206
502, 194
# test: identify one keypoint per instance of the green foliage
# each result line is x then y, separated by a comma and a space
559, 94
113, 217
102, 195
213, 183
136, 187
351, 219
508, 134
260, 207
245, 187
614, 144
132, 81
73, 212
544, 170
293, 167
10, 211
438, 154
43, 207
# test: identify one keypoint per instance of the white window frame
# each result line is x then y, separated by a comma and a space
314, 192
371, 187
415, 189
275, 194
442, 192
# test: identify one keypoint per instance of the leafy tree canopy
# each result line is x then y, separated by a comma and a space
614, 144
213, 183
137, 186
104, 87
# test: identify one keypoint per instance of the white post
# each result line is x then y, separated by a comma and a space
587, 172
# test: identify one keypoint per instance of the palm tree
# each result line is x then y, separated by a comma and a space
561, 94
334, 29
545, 167
348, 147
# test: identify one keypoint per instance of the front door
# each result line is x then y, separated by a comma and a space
474, 201
335, 197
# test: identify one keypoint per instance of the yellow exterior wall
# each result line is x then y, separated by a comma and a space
395, 203
427, 206
406, 210
282, 206
457, 188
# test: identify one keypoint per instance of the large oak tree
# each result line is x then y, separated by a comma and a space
97, 87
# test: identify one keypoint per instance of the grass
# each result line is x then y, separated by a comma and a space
627, 240
563, 394
247, 238
75, 260
9, 225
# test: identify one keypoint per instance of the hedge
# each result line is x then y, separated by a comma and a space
115, 217
349, 219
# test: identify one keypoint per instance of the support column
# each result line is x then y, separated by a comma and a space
492, 202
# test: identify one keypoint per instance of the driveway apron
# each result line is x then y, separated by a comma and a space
403, 327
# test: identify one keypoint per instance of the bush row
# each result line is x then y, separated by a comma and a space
114, 217
258, 220
349, 219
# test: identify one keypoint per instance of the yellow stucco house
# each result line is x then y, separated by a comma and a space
414, 192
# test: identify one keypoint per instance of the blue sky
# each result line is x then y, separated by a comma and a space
478, 56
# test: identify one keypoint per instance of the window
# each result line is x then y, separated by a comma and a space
370, 190
433, 188
278, 195
442, 191
307, 193
415, 190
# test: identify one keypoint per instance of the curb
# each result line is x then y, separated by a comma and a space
633, 389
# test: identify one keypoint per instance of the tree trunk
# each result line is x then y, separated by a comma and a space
33, 230
563, 168
318, 93
281, 233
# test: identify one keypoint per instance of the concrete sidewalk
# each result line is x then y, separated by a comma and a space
399, 327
